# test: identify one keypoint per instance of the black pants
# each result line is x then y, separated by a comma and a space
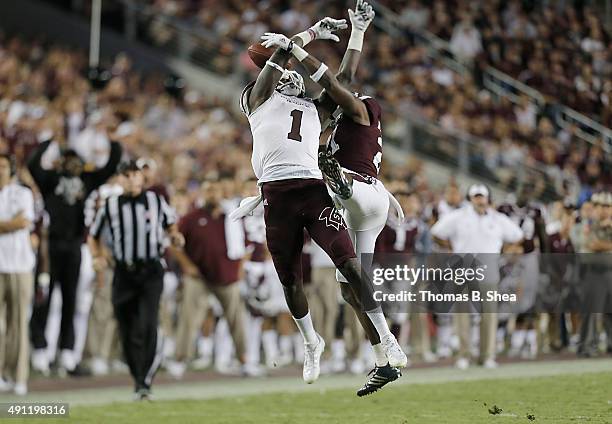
65, 265
136, 295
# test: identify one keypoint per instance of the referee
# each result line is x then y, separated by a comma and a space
137, 220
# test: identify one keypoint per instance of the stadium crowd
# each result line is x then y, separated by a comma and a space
411, 83
558, 49
184, 138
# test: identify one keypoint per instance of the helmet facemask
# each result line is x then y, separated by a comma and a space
291, 83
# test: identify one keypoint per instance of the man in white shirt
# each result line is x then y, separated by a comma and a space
17, 263
466, 42
478, 229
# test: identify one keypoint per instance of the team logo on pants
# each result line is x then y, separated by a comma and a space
332, 218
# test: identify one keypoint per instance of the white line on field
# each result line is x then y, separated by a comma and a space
256, 386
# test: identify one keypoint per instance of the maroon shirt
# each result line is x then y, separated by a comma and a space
359, 147
206, 246
388, 241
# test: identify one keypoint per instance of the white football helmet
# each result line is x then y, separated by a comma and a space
291, 83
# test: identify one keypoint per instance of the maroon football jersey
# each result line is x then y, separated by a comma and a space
359, 147
206, 246
525, 218
398, 238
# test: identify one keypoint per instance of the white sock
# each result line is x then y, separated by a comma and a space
380, 322
205, 347
270, 347
338, 350
379, 353
253, 343
286, 345
532, 340
445, 333
518, 339
305, 326
298, 348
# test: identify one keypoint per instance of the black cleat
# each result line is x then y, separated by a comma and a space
334, 176
380, 376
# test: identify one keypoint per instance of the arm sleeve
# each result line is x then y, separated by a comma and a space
42, 177
98, 224
512, 233
100, 176
444, 229
167, 213
28, 205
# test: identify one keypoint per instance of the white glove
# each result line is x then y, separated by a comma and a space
325, 28
271, 39
362, 16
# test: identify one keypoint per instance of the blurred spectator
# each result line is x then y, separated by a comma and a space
64, 191
466, 42
17, 264
211, 261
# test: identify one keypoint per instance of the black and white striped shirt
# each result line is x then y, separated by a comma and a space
136, 226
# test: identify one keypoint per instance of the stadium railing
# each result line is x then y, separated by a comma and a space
502, 84
467, 155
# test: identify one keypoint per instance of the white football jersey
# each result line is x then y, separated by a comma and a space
285, 137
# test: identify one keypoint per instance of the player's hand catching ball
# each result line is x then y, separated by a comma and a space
325, 28
362, 16
271, 39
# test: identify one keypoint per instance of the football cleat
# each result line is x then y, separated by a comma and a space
379, 377
312, 358
334, 176
393, 351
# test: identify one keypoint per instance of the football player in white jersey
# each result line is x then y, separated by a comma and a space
286, 128
356, 146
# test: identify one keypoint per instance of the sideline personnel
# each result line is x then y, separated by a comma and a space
137, 220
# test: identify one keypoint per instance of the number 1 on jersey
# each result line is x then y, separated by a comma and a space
296, 124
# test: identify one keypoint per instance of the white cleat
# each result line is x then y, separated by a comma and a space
21, 389
396, 356
312, 359
40, 362
176, 369
490, 364
462, 364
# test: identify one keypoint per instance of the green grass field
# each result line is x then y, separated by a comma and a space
571, 396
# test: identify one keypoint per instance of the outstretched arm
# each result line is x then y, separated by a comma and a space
351, 106
360, 20
269, 76
42, 177
268, 79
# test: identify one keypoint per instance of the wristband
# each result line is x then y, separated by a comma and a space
306, 36
275, 65
317, 75
299, 53
356, 40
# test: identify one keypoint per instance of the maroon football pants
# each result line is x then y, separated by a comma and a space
290, 206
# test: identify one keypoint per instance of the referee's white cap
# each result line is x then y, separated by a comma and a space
478, 190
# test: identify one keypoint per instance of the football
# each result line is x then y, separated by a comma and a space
259, 54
